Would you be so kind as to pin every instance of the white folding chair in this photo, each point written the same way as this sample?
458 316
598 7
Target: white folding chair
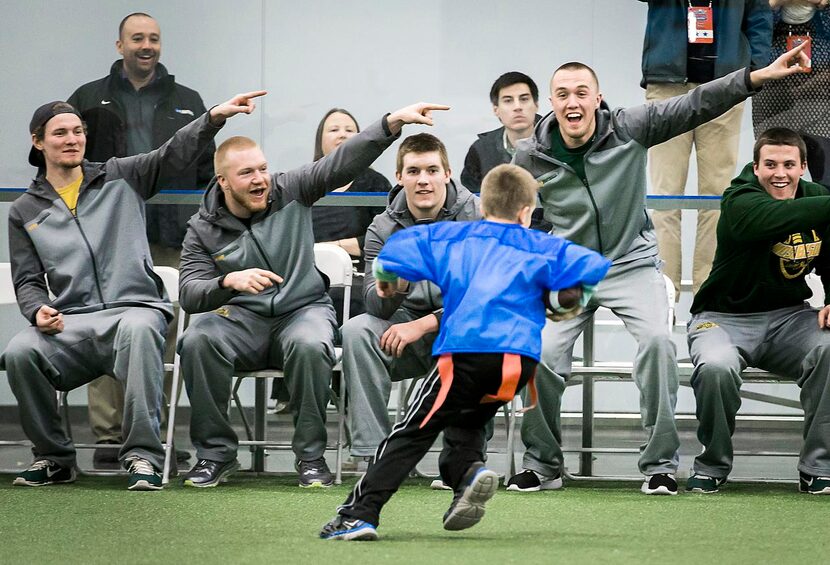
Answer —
336 264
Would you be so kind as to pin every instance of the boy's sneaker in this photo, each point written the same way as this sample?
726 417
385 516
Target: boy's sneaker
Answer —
206 473
704 484
813 485
44 472
349 529
661 483
531 481
314 473
467 507
143 476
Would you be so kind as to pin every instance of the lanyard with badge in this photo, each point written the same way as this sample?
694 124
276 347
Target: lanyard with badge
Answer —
700 24
799 14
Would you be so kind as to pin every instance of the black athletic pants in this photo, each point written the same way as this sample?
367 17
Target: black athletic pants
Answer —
475 386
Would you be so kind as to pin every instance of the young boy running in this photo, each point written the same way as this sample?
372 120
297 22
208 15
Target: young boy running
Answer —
494 276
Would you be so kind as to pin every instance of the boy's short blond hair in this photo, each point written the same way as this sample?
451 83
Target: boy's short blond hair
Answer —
507 189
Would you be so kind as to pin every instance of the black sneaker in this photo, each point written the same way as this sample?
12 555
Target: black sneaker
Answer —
661 483
467 507
314 474
206 473
530 481
349 529
813 485
143 476
704 484
44 472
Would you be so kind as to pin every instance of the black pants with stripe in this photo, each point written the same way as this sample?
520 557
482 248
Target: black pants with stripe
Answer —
462 416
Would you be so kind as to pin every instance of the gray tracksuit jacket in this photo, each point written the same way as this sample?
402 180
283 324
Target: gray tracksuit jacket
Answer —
99 258
423 296
608 213
279 239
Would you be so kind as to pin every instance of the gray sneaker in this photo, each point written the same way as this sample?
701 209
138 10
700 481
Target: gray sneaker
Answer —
206 473
467 507
314 474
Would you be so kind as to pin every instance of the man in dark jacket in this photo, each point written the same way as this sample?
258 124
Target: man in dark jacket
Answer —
727 35
105 310
751 311
392 341
248 263
133 110
515 99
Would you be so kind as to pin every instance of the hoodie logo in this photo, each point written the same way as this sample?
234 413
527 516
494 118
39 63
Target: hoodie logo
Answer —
796 253
184 111
105 102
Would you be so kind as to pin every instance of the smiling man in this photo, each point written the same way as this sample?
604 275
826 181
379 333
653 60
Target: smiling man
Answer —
133 110
104 310
248 262
393 340
751 309
590 162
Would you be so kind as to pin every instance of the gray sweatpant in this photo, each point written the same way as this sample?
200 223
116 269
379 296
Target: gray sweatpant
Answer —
127 343
787 342
369 374
636 293
232 338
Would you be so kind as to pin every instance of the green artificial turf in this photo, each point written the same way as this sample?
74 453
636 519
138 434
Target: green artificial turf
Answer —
271 520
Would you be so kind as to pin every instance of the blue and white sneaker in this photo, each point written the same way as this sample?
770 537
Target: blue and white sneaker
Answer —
349 529
467 507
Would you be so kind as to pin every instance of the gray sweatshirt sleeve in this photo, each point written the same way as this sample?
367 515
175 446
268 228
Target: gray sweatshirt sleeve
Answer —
658 121
179 152
310 182
199 289
28 274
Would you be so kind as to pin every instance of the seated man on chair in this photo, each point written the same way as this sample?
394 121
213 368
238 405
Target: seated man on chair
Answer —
393 340
81 224
248 262
751 311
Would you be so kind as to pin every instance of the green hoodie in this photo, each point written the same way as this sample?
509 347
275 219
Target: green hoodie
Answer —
766 247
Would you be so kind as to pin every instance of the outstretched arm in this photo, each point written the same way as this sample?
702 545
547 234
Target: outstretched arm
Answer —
180 151
310 182
420 113
239 104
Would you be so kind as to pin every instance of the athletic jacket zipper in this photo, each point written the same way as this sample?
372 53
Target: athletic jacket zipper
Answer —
598 223
91 256
261 251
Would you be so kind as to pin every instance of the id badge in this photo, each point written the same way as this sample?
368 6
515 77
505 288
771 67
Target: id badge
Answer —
701 25
794 41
